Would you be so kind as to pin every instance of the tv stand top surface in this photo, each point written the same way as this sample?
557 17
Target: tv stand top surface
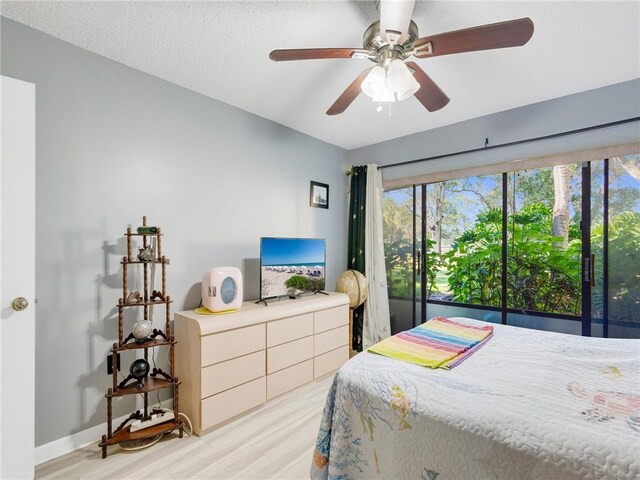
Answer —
253 313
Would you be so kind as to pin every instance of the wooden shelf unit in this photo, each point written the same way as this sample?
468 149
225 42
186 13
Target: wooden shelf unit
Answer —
151 384
158 338
142 304
149 344
125 434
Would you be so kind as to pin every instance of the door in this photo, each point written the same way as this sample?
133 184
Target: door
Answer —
402 254
17 280
615 246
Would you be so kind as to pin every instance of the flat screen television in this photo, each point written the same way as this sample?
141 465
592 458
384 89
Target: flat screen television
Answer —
291 266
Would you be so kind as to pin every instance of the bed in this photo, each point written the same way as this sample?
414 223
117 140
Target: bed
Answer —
528 404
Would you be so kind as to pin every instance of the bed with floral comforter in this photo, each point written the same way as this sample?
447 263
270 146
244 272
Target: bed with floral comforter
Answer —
529 404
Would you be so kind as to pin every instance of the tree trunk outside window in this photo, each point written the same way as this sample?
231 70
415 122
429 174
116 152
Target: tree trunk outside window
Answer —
561 204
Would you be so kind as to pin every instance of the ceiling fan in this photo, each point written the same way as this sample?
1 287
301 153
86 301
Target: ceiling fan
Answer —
394 38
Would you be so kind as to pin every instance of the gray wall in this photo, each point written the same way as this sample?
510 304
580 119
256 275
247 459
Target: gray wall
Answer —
114 144
593 107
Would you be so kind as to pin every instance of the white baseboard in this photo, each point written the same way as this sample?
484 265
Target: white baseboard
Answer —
73 442
92 435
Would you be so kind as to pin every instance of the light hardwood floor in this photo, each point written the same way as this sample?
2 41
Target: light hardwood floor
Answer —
273 442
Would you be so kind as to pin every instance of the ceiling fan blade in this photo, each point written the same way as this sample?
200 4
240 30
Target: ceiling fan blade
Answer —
395 16
349 95
430 94
513 33
317 53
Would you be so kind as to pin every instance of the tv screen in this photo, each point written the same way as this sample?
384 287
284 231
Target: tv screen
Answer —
291 266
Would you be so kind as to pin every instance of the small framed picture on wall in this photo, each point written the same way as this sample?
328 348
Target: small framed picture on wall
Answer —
319 195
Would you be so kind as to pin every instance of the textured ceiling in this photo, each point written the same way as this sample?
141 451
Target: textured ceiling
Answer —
221 49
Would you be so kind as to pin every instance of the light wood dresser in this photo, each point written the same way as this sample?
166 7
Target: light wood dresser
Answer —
231 363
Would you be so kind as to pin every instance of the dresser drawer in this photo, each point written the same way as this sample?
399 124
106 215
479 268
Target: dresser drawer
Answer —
288 329
330 340
288 354
330 361
289 378
225 375
219 347
223 406
330 318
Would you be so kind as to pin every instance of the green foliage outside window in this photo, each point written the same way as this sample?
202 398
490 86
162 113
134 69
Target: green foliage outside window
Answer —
464 246
399 263
541 276
474 262
624 262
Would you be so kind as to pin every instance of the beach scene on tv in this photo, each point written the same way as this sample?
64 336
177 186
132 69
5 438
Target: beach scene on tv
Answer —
291 266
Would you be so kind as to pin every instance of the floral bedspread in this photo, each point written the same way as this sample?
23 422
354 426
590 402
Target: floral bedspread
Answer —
530 404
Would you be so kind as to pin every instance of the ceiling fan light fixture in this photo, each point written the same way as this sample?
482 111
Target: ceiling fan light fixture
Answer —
385 95
398 76
392 83
413 87
374 83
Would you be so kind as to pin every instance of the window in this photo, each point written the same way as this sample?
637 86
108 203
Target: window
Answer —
398 211
544 241
518 248
464 223
622 285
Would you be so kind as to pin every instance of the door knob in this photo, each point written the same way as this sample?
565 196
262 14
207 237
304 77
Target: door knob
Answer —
19 304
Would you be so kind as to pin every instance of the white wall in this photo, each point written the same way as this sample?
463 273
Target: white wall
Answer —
585 109
114 144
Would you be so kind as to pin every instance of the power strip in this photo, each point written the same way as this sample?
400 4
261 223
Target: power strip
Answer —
154 420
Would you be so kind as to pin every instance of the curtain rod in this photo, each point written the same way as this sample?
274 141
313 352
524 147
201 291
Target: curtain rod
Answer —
510 144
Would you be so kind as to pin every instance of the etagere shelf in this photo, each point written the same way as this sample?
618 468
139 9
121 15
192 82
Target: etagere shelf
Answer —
156 379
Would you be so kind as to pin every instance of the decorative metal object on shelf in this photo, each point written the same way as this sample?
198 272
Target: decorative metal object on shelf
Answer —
134 297
146 254
139 370
156 294
141 330
145 229
143 337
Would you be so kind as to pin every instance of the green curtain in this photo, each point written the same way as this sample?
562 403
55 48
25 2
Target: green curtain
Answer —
355 250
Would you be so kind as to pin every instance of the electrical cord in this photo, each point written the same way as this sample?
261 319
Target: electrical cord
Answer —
135 444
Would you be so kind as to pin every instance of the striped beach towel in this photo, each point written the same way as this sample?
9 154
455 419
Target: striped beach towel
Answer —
438 343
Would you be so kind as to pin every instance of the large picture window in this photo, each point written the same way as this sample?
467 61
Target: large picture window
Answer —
556 248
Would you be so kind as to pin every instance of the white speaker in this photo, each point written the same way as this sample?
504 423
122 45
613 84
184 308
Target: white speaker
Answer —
222 289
